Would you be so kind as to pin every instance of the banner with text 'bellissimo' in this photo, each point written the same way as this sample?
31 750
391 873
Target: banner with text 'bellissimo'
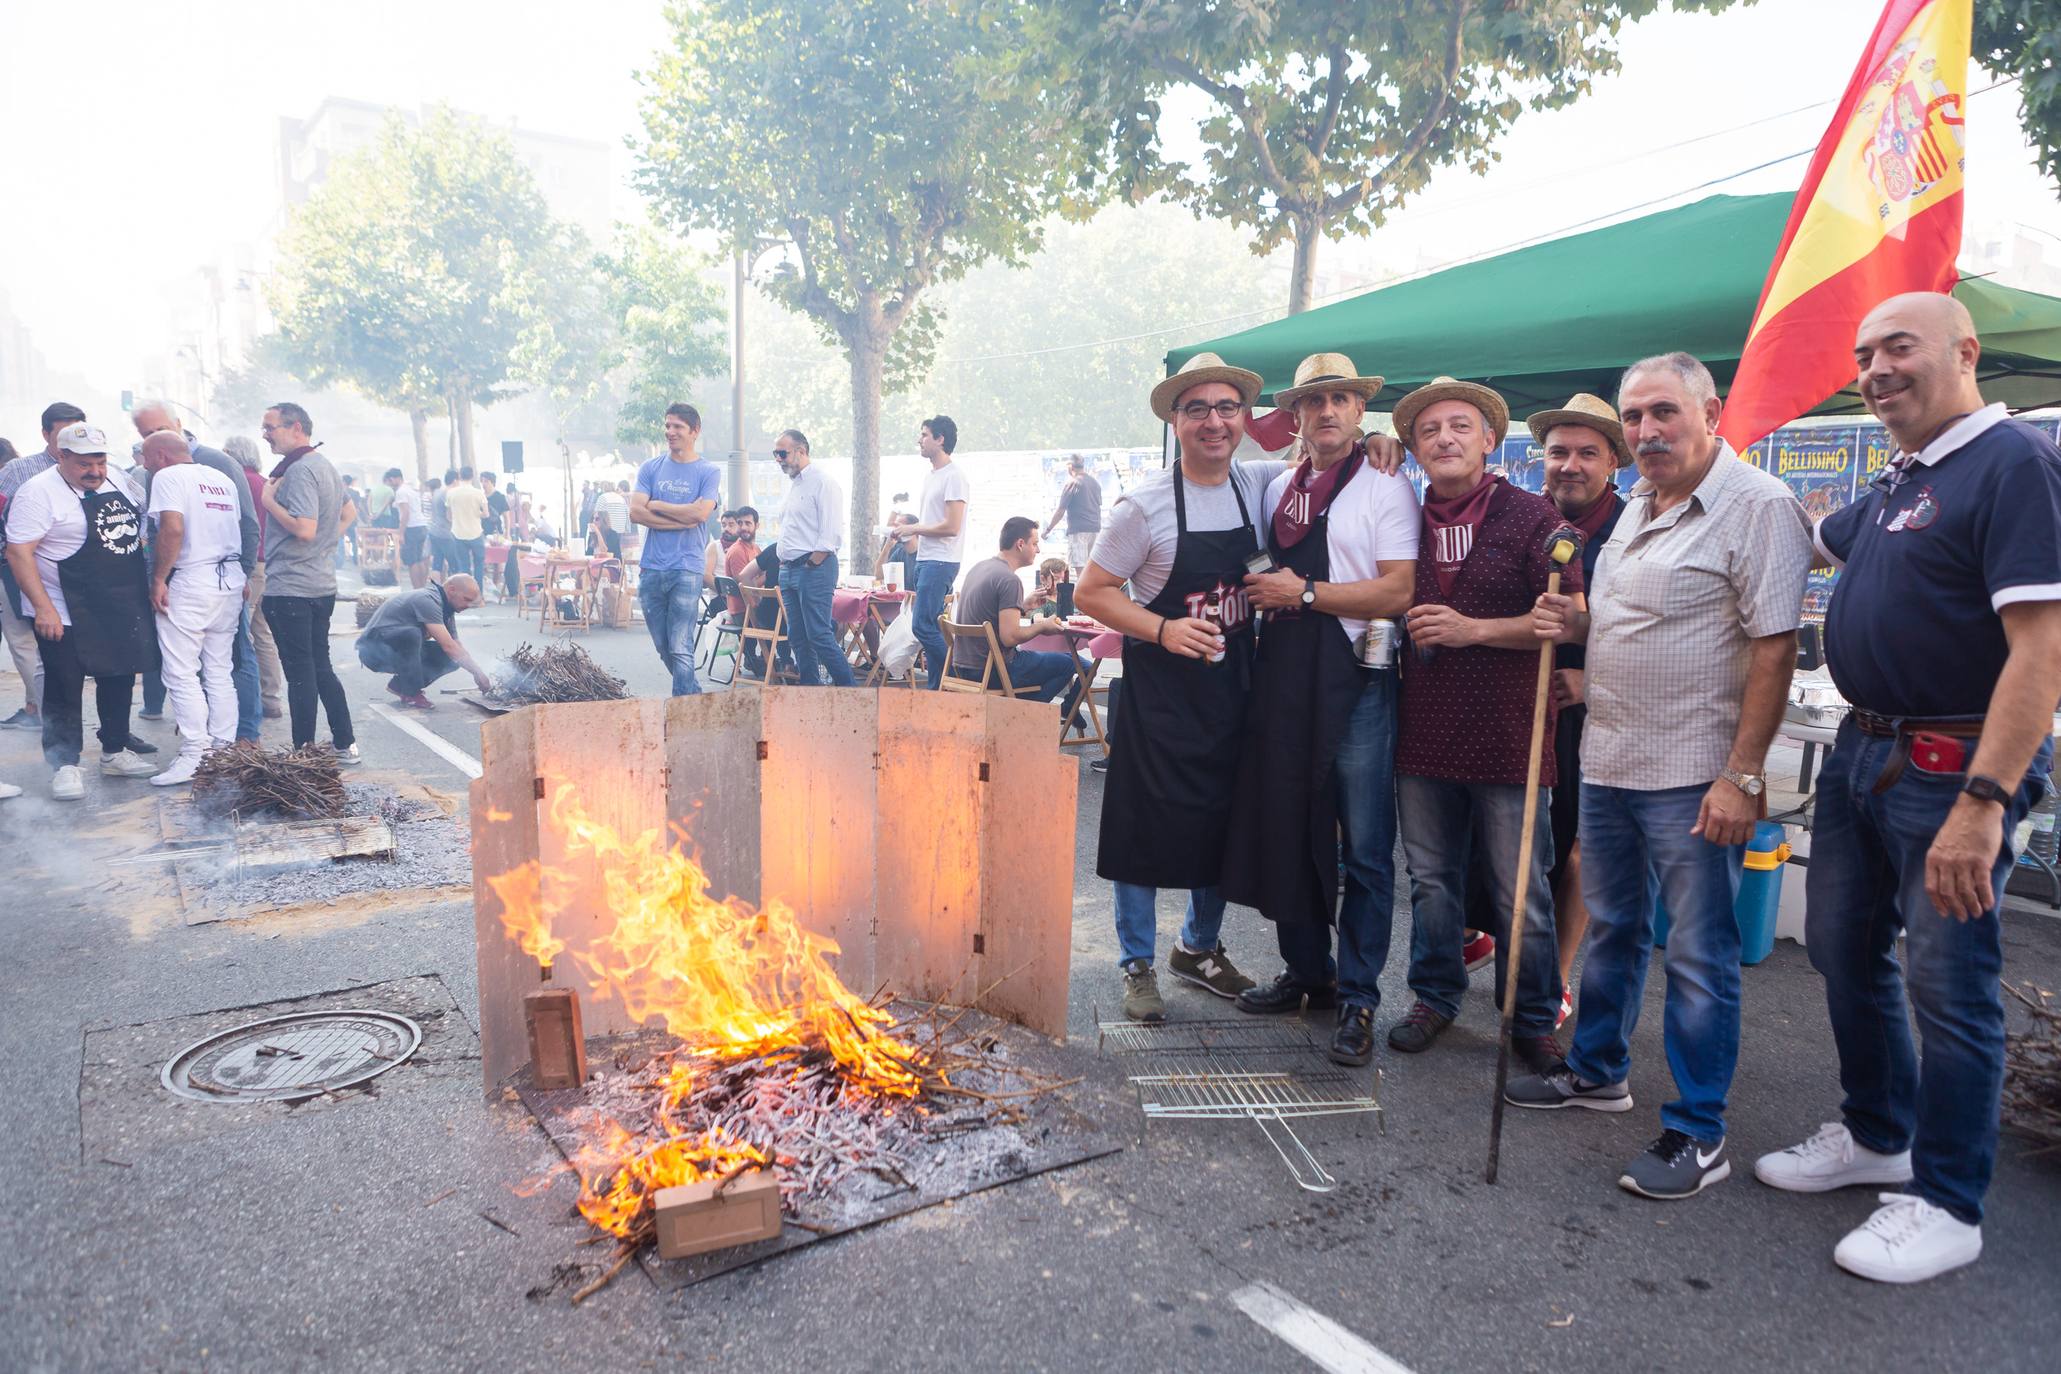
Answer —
1879 213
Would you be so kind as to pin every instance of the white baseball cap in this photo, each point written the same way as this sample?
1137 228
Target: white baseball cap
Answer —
82 438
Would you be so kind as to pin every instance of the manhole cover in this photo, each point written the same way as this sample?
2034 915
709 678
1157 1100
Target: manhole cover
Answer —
289 1057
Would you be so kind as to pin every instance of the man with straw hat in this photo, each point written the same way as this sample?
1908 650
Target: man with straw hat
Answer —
1584 447
1316 781
1181 541
1468 692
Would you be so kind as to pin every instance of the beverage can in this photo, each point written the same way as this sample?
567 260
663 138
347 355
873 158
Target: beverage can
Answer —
1378 644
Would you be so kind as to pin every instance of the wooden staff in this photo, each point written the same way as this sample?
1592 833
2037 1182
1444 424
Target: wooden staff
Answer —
1563 549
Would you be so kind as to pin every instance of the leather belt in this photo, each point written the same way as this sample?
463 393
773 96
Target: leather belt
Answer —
1900 729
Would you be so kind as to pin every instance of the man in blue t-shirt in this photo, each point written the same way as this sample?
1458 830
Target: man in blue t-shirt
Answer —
674 497
1945 633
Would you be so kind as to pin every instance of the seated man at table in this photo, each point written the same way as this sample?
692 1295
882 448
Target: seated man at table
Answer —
993 592
762 569
414 636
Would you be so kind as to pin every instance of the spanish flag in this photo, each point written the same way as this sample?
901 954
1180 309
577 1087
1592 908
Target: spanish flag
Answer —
1879 213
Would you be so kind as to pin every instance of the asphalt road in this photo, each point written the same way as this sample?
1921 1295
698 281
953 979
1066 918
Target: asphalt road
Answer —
145 1234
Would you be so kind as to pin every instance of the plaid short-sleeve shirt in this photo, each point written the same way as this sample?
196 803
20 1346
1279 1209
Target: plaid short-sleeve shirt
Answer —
1678 600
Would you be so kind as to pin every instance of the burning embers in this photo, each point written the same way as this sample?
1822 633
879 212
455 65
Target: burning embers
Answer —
779 1064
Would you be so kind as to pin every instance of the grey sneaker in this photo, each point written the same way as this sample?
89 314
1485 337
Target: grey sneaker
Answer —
1418 1028
1565 1088
1211 970
1676 1166
1142 1001
348 756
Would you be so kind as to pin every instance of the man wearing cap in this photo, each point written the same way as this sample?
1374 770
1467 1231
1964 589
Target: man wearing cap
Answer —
1316 781
75 545
1181 541
1945 633
21 634
1691 645
1584 447
1468 690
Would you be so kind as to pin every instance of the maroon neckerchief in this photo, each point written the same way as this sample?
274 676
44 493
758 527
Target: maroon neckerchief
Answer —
1450 526
1591 524
1309 495
292 457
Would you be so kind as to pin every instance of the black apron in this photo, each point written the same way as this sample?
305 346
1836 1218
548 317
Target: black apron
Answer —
1282 855
106 587
1173 764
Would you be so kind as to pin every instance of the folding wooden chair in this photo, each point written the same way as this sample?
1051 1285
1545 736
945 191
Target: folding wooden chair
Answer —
580 594
728 638
768 637
994 673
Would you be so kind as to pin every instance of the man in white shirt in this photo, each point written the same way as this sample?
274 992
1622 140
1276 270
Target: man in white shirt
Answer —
938 536
411 518
196 586
811 531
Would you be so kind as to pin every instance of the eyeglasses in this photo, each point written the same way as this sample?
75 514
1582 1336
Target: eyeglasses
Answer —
1201 410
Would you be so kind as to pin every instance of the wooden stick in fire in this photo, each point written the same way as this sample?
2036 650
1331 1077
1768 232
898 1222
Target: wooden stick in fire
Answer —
1563 549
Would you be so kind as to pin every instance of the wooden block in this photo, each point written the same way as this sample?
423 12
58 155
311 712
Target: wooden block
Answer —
558 1045
271 844
694 1219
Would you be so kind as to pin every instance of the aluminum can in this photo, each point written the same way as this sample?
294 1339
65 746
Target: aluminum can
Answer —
1378 644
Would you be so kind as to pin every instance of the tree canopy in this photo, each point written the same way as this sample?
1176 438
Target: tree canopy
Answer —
2022 39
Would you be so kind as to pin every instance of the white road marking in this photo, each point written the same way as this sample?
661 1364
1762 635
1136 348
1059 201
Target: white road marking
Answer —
442 748
1328 1345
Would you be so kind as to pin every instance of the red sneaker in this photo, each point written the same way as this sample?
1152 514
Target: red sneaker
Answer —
1479 952
418 702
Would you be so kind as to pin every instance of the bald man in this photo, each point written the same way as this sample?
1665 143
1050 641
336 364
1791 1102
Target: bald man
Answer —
1944 632
196 586
414 636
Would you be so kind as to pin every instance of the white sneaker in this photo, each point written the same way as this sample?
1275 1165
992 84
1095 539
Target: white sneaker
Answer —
1908 1240
67 784
123 764
1830 1159
347 757
184 766
8 789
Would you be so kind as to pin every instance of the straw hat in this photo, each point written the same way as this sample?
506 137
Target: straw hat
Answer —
1492 407
1203 367
1590 412
1327 372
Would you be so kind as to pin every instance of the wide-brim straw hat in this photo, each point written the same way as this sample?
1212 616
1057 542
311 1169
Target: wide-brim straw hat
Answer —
1590 412
1327 372
1493 408
1203 367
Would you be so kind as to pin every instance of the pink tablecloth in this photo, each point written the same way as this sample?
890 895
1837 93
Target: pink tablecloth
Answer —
848 605
533 563
1098 644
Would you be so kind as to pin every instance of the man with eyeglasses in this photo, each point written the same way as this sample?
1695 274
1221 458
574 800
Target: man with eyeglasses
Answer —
811 530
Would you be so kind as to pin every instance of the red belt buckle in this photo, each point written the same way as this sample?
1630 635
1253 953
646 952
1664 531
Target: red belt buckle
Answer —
1932 753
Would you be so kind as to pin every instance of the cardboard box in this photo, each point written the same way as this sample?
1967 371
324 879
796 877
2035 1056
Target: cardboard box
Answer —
694 1219
558 1045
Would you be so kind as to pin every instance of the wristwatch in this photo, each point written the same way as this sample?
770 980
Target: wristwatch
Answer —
1986 789
1752 784
1309 591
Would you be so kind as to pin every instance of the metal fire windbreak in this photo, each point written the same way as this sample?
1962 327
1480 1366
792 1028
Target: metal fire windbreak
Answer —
1263 1071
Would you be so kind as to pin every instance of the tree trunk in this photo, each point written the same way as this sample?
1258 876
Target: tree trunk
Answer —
450 430
464 402
869 366
418 420
1302 281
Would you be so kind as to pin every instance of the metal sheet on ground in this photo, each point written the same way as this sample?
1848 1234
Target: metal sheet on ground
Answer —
1088 1120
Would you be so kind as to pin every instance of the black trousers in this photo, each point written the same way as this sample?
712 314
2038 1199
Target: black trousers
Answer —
64 697
300 631
414 662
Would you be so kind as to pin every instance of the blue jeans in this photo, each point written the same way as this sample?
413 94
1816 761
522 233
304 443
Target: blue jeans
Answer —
250 706
672 612
806 592
153 693
1866 882
1050 673
933 584
1632 839
1365 778
1436 815
1137 920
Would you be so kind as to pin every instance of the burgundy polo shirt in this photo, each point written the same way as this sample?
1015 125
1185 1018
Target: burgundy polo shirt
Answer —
1466 715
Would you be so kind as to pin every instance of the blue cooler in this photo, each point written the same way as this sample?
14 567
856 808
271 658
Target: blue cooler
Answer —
1760 895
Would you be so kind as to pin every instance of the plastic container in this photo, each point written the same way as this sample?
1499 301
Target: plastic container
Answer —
1759 897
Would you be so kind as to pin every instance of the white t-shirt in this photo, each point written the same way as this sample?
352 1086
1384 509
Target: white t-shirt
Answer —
213 536
1374 519
416 515
1137 541
944 485
47 509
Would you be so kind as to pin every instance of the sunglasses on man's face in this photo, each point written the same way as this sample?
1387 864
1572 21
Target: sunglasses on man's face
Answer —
781 452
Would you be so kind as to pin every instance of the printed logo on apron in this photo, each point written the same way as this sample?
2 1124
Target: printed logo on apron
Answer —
118 524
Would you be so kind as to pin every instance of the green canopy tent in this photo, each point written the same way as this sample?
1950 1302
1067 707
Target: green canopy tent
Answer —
1544 322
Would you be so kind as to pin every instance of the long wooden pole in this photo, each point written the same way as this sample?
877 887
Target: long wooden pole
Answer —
1513 947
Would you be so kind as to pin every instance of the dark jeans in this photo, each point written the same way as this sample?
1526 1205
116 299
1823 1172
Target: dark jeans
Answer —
1364 777
413 662
300 630
470 556
64 696
1865 885
153 693
443 553
933 584
806 592
1056 676
1435 814
250 702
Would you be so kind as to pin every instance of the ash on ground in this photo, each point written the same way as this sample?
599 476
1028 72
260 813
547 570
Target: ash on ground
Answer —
430 850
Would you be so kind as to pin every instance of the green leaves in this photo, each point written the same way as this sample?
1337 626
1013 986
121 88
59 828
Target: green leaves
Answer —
2022 38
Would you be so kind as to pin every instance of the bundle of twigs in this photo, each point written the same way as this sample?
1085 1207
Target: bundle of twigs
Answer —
2032 1071
559 672
368 603
304 784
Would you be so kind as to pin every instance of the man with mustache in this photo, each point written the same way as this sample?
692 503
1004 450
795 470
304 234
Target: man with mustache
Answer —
1691 638
1945 633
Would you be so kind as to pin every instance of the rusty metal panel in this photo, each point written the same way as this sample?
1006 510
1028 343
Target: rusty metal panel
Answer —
712 786
504 848
817 816
1027 851
928 885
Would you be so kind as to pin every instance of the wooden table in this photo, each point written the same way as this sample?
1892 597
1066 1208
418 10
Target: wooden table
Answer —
1100 644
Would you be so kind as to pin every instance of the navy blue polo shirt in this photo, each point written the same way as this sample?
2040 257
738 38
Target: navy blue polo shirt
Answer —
1913 629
